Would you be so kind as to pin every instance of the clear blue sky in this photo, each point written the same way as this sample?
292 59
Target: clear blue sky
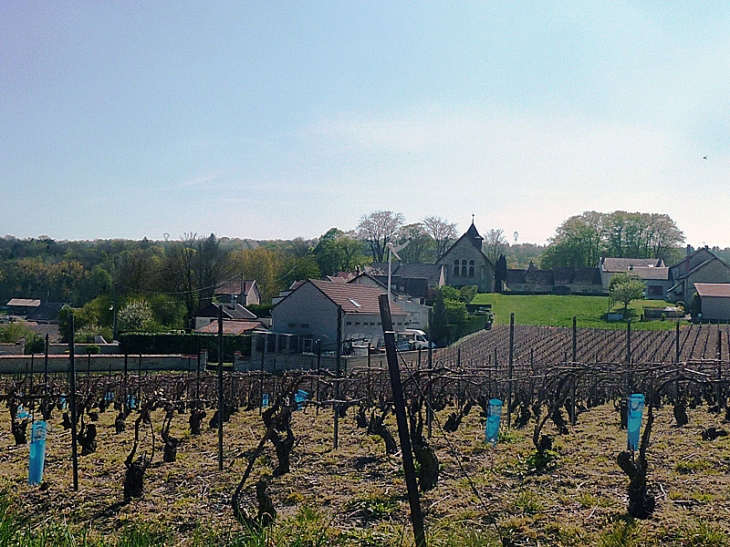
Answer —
268 120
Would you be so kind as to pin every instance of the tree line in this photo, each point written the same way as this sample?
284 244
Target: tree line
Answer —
161 284
583 239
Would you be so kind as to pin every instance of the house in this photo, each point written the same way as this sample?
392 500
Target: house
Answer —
714 301
466 264
22 306
416 280
563 281
414 306
572 280
231 311
651 270
529 280
47 312
246 291
700 266
328 312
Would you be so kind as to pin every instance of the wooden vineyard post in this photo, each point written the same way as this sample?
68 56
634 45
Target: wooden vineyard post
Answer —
197 379
719 369
139 381
45 378
458 378
402 421
676 360
72 401
319 372
261 381
125 401
574 359
369 393
338 353
511 367
220 388
429 410
629 378
32 372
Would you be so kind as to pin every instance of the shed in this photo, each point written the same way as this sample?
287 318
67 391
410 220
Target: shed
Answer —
715 300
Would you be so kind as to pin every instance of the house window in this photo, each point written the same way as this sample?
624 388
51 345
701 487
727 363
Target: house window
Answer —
456 268
471 268
348 323
292 325
305 325
357 323
463 268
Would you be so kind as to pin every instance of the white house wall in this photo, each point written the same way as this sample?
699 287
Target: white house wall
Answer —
309 313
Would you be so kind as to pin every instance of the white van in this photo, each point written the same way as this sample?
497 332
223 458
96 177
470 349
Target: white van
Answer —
413 339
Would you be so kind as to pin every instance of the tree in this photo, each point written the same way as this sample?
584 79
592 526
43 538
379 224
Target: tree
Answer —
624 288
449 311
136 316
582 239
300 269
338 251
377 229
442 232
500 274
494 244
421 246
208 264
263 264
578 242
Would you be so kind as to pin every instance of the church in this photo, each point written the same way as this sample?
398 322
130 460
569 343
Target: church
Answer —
465 262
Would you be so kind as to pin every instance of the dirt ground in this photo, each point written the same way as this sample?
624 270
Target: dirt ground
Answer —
356 494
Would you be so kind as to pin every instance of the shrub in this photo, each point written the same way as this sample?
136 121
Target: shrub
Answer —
35 344
93 349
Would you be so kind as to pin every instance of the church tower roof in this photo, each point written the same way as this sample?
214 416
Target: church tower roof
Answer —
473 235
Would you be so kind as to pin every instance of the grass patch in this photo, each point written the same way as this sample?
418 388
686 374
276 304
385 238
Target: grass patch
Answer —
704 534
539 462
373 506
688 467
528 502
558 311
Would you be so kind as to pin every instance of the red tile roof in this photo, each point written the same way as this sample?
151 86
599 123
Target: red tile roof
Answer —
720 290
230 327
355 298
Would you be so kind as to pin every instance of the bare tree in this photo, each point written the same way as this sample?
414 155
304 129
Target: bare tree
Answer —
442 232
377 229
494 244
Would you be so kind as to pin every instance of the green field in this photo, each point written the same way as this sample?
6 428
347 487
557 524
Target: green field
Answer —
558 311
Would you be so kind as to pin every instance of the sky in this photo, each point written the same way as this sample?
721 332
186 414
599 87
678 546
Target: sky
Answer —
276 120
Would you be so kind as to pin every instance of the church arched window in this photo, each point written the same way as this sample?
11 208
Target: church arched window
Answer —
471 268
456 268
463 268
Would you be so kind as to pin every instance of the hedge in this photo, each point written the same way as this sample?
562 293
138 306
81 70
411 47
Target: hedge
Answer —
186 344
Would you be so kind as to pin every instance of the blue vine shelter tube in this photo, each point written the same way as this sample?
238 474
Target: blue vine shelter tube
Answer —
299 398
636 409
494 414
265 401
37 452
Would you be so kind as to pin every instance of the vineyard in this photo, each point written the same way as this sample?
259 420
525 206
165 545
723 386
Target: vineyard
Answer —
311 457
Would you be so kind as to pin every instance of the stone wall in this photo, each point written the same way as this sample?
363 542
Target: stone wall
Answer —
20 364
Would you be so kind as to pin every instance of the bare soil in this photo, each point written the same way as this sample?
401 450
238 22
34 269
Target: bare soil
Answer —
356 494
